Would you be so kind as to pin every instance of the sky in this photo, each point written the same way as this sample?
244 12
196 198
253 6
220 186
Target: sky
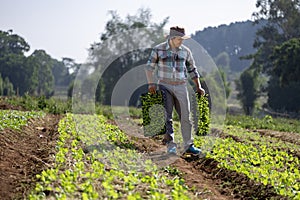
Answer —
67 28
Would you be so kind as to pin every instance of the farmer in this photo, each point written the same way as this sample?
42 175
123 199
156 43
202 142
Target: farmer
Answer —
173 61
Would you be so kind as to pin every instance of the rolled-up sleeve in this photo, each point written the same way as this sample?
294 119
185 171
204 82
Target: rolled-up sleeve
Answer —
191 66
152 61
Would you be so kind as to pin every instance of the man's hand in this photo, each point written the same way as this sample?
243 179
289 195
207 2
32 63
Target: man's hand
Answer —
201 91
152 88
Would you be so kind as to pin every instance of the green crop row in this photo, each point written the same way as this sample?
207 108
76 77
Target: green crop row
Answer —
95 160
267 122
256 160
255 138
15 119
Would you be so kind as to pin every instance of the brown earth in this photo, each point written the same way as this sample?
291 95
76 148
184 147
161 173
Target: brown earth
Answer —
202 174
204 186
284 136
25 153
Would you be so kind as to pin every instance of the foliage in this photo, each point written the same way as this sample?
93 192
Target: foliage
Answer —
49 105
282 24
284 84
284 15
6 87
222 60
226 83
223 63
35 74
43 73
100 170
64 71
215 85
284 98
262 159
153 113
202 115
267 122
12 59
14 119
248 87
123 45
12 44
286 58
235 40
96 160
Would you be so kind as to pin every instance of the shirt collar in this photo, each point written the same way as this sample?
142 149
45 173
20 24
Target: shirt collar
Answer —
168 45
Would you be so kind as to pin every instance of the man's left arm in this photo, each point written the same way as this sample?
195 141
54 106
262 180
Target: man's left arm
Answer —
193 72
199 89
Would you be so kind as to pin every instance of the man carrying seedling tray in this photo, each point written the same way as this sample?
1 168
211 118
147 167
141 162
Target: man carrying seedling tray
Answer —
174 61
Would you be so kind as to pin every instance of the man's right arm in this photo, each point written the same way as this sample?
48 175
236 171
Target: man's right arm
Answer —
151 84
151 64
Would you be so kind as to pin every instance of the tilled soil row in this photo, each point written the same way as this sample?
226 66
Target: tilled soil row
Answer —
25 153
210 181
292 138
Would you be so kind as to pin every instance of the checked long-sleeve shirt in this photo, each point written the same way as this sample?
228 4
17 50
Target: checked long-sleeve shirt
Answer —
172 66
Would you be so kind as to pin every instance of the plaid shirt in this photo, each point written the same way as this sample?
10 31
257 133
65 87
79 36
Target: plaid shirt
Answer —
172 66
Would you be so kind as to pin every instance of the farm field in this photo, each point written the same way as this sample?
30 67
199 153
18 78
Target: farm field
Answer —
46 156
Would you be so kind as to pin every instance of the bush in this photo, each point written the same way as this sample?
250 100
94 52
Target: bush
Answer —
41 103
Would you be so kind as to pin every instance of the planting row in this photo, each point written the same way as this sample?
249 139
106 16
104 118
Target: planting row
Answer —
257 158
95 160
267 122
16 119
255 138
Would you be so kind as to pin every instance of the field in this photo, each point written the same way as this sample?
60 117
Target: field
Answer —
68 156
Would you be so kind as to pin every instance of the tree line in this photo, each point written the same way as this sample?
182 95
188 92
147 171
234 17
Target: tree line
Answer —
37 74
227 43
274 71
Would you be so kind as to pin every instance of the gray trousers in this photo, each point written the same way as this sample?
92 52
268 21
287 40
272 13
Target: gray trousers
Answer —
176 96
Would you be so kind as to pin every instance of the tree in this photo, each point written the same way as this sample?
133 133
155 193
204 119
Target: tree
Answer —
6 87
283 15
36 74
248 87
283 23
60 73
282 18
64 71
44 74
12 44
286 59
235 39
284 87
119 36
1 85
12 58
223 62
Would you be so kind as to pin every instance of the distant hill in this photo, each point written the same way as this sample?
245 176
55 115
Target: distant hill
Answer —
235 39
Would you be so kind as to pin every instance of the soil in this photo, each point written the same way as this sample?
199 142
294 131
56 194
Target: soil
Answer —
284 136
25 153
203 174
205 187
